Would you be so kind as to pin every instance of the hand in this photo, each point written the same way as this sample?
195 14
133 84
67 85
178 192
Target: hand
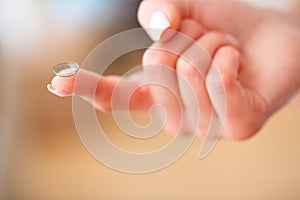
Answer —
269 74
218 46
268 43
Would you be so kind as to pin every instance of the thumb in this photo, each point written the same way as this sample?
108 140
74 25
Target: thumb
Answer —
229 16
157 16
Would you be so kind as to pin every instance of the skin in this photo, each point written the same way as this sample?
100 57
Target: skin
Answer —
260 68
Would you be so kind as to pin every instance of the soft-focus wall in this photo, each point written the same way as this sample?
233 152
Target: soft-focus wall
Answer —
41 154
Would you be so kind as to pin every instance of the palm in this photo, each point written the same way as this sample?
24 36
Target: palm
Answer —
265 80
269 55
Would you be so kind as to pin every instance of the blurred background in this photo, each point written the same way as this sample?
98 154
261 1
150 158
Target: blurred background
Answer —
41 154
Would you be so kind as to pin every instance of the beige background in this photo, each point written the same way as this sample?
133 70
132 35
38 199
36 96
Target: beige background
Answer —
42 156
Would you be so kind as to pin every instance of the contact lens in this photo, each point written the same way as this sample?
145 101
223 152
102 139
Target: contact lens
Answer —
66 69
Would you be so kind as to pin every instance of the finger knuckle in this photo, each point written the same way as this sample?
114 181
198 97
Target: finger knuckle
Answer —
186 68
153 56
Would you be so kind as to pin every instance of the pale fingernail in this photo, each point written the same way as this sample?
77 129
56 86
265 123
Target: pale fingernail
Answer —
158 24
233 40
56 92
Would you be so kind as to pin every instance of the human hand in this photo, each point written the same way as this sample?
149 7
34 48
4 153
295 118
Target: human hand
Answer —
214 45
270 46
248 84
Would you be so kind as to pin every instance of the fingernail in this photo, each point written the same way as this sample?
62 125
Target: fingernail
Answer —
56 92
158 24
233 40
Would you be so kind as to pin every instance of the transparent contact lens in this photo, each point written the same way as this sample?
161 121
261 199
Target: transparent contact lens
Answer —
66 69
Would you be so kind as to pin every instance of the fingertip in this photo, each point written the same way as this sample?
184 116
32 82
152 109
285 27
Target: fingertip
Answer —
158 16
158 24
63 84
229 56
228 62
56 92
62 87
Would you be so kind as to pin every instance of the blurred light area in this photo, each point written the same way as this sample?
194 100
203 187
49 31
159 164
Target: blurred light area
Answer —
25 24
18 25
13 20
34 36
83 12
